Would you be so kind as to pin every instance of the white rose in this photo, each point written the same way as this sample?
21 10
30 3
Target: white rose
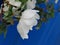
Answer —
28 20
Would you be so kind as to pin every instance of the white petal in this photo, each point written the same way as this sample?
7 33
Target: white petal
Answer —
10 0
37 16
31 27
35 22
15 3
28 21
27 27
31 4
34 1
29 13
5 8
56 1
22 31
15 12
18 4
15 8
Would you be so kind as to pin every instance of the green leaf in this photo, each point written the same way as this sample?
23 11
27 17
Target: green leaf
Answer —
16 0
6 14
9 18
40 1
10 10
23 1
3 29
38 25
0 32
5 32
52 14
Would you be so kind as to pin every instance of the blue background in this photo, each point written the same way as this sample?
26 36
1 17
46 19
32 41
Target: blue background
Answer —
49 33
